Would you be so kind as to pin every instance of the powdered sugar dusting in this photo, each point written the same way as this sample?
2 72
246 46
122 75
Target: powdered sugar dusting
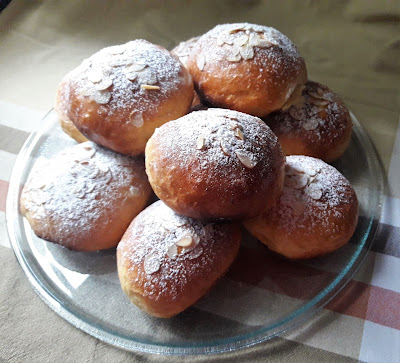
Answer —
242 42
153 248
73 188
132 76
239 41
218 142
314 193
322 116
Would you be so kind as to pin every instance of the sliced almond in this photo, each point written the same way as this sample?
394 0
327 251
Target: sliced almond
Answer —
131 75
135 67
239 134
225 147
103 168
148 77
201 61
87 90
150 87
253 39
104 84
94 76
172 251
234 58
136 118
151 264
246 158
314 190
220 42
200 142
296 181
185 242
310 124
197 252
241 40
297 113
101 97
134 191
247 52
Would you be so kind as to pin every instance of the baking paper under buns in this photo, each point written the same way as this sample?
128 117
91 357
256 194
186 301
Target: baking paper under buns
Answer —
316 213
85 197
246 67
166 262
118 96
215 164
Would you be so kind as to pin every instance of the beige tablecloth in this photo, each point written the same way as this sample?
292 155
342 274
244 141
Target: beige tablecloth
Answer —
352 46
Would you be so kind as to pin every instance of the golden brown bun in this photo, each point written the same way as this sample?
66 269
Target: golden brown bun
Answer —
85 197
159 274
182 51
66 124
215 164
119 95
319 127
316 213
245 67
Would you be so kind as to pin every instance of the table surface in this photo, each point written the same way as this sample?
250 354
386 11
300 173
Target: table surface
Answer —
351 46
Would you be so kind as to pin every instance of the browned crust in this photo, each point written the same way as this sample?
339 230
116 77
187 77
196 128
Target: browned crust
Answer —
169 295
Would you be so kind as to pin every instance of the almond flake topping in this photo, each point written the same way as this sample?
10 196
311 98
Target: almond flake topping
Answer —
314 191
234 58
201 61
136 118
239 134
131 75
310 124
244 40
151 264
297 113
225 147
136 67
103 168
134 191
241 40
185 242
247 52
296 180
101 97
200 142
172 251
246 159
150 87
94 76
197 252
103 84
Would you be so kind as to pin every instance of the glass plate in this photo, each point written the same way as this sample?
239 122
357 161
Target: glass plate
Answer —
261 296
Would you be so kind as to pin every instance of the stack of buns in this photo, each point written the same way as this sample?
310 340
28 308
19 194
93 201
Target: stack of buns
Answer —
225 129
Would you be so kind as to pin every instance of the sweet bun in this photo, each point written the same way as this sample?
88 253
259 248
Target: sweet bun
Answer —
66 124
215 163
320 127
246 67
182 51
85 197
317 212
166 262
118 96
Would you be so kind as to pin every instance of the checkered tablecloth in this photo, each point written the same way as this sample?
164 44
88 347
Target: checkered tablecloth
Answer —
353 47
